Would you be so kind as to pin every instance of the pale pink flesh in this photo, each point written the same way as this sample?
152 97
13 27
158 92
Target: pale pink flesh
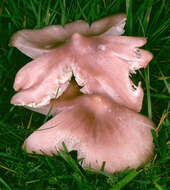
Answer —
99 64
43 79
100 130
37 42
60 104
105 63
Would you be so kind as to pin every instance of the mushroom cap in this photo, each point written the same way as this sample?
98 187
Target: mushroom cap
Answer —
99 64
103 65
37 42
100 130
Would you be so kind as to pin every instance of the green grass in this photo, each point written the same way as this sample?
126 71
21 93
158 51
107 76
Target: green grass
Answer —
20 171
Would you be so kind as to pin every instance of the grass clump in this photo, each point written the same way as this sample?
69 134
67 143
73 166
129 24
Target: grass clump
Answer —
19 170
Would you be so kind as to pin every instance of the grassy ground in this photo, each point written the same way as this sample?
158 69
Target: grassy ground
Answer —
18 170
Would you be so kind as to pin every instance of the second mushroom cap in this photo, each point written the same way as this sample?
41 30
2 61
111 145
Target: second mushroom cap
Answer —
100 130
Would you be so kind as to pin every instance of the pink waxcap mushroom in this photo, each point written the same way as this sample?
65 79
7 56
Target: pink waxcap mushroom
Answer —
100 130
99 64
37 42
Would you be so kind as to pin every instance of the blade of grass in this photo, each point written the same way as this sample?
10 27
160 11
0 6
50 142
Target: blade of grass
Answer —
5 184
11 132
9 156
29 122
147 83
147 15
47 14
54 13
157 186
129 177
67 157
165 81
158 14
32 181
129 22
82 11
39 15
50 164
63 13
8 169
160 96
162 28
